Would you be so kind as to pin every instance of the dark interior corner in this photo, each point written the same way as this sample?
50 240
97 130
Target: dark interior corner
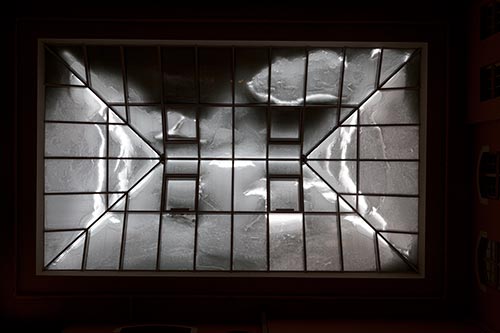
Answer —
460 293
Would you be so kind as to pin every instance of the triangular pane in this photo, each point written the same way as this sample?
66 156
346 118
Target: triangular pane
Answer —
318 122
71 258
406 244
407 76
56 241
391 60
147 120
57 73
124 142
341 144
124 173
114 112
341 175
146 195
73 56
390 261
318 196
105 242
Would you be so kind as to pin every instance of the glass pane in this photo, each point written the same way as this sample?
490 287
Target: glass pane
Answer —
323 75
390 261
57 72
182 166
390 213
249 248
391 60
214 242
358 245
117 115
215 75
124 142
147 120
341 175
387 142
322 244
141 241
286 248
182 150
317 195
124 173
287 76
73 104
116 201
215 186
318 122
106 72
408 76
280 151
250 187
146 195
285 123
181 194
216 131
347 203
346 113
250 132
73 211
55 242
406 244
87 175
360 72
72 258
75 140
73 56
388 177
179 68
391 107
181 122
284 194
177 242
341 144
251 75
143 74
284 167
105 242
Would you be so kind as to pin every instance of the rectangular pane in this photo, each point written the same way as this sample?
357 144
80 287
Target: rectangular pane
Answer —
284 194
216 131
358 245
360 72
147 120
323 75
318 196
341 144
106 72
73 211
125 142
87 175
288 69
322 243
390 213
215 186
141 241
251 75
182 150
250 132
181 122
214 242
105 242
318 122
285 123
249 247
181 194
388 177
215 75
75 140
283 151
341 175
146 195
124 173
181 166
177 242
391 107
286 247
284 168
179 74
398 142
143 74
250 187
73 104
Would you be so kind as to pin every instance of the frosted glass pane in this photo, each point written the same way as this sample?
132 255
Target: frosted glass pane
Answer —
386 142
215 75
117 201
406 244
73 104
72 56
284 167
323 75
57 72
391 213
73 211
249 245
72 258
179 68
317 195
147 120
408 76
87 175
391 60
216 131
341 175
141 241
106 72
285 123
391 107
143 74
181 194
75 140
389 177
181 122
250 186
182 166
114 116
146 195
284 194
318 122
104 243
346 113
360 72
322 244
124 173
250 132
357 244
177 242
390 261
55 242
249 62
286 248
287 76
280 151
182 150
124 142
347 203
215 186
214 242
341 144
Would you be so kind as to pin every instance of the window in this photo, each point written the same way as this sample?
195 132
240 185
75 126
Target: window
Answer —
232 157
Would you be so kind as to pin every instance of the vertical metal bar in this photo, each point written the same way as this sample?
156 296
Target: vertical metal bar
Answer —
341 86
301 178
232 154
377 252
85 250
379 69
339 235
125 84
196 201
86 64
124 233
268 129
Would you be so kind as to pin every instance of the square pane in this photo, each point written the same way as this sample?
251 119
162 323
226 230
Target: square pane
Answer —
181 194
284 194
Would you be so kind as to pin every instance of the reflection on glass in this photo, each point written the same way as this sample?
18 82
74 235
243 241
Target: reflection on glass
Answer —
284 194
286 244
360 72
181 194
214 242
215 186
106 77
141 241
147 120
287 77
250 132
216 131
177 242
322 245
181 122
250 191
323 75
249 243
